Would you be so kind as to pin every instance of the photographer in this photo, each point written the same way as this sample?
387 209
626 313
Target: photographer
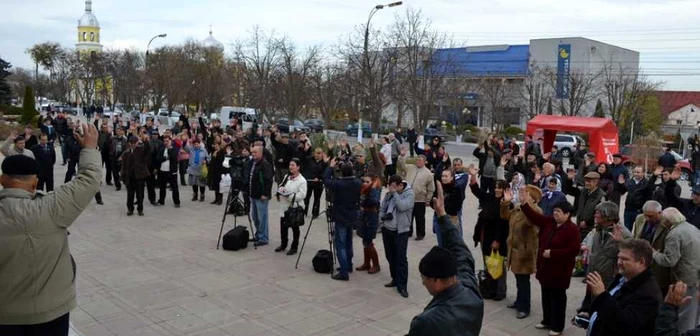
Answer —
313 173
396 213
448 274
631 302
345 192
284 151
292 191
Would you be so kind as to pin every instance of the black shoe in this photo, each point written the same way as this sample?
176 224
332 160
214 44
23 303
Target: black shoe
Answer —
155 204
522 315
161 202
130 213
280 248
338 269
419 238
194 197
110 184
403 292
140 213
177 205
487 296
65 163
118 189
498 298
292 251
340 276
100 202
201 198
511 305
390 284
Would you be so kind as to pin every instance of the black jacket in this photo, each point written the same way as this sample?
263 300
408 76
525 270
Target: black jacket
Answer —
458 310
345 193
156 150
260 184
172 157
631 311
411 135
490 226
637 193
666 322
46 157
662 192
690 210
72 147
314 169
283 152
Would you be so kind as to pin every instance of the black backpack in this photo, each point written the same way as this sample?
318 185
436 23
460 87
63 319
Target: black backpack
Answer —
323 261
236 239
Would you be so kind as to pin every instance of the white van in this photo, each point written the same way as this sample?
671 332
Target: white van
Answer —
247 114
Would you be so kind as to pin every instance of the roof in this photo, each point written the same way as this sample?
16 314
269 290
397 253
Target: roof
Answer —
670 101
497 60
571 124
88 19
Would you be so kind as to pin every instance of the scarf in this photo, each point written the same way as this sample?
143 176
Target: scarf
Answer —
196 156
515 188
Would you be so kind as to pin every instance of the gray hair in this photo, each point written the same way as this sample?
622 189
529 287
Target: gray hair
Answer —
609 211
652 206
673 216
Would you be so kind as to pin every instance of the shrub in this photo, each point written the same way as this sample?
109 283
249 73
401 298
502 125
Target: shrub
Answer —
512 130
28 107
11 110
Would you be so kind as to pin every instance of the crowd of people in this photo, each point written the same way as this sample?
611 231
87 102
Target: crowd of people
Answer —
629 261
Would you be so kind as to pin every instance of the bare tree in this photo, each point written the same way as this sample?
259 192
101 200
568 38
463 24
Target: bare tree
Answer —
261 56
294 74
624 89
495 94
19 80
327 83
534 94
582 90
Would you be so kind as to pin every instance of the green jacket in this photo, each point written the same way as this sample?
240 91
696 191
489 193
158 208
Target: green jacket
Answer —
37 275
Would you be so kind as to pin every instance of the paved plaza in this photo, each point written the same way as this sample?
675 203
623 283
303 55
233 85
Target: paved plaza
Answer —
162 275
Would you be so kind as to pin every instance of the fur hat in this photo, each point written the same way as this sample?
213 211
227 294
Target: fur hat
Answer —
535 193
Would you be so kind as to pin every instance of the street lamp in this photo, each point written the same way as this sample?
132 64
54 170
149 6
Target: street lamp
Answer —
366 58
154 37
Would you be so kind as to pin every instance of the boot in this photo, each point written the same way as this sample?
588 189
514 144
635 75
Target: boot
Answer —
365 266
374 257
194 197
201 197
220 200
216 199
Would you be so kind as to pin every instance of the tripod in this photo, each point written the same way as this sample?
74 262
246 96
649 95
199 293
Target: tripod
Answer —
234 200
331 234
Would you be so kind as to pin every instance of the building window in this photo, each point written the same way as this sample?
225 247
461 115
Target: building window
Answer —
84 36
92 37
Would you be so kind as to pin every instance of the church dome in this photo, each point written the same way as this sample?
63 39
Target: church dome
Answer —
211 42
88 19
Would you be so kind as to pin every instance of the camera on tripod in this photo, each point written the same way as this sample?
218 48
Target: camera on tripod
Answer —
236 165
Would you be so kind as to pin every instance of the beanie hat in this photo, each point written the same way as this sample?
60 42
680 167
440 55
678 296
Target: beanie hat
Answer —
438 263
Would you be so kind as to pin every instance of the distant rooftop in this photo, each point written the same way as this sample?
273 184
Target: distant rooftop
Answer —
494 60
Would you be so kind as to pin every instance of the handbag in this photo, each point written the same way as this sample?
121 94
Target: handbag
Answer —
294 215
494 264
225 183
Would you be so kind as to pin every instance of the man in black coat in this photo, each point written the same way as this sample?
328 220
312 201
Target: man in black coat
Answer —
152 180
448 274
412 138
630 304
637 189
259 184
284 152
72 154
667 160
167 170
46 155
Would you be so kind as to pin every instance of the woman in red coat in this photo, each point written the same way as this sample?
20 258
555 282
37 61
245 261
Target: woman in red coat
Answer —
559 245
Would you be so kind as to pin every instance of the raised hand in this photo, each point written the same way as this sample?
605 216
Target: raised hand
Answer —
658 171
676 174
326 158
508 195
538 175
88 138
504 161
473 170
571 174
439 201
13 135
616 233
676 295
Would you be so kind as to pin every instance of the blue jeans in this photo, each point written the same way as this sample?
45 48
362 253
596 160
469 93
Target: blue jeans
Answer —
630 215
343 247
436 227
696 181
395 246
258 211
522 301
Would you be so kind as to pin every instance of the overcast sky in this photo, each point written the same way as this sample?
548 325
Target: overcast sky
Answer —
665 32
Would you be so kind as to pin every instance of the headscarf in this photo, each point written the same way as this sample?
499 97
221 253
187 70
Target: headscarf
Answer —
515 188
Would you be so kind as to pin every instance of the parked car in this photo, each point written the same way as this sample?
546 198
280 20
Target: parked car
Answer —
163 117
353 128
567 143
109 113
633 155
429 133
285 126
387 127
315 125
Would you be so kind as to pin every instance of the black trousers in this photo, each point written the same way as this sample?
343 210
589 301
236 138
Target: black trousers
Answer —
488 184
151 184
390 170
46 181
317 189
522 301
419 217
284 233
410 148
107 163
395 247
57 327
163 179
135 188
71 170
183 171
116 169
553 308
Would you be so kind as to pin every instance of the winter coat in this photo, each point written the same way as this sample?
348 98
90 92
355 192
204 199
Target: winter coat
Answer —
522 239
411 135
6 150
298 188
690 210
216 169
459 310
402 208
118 146
637 192
549 200
258 179
46 158
631 311
420 179
345 193
195 167
587 201
135 161
663 275
602 252
681 251
170 156
38 274
562 241
490 226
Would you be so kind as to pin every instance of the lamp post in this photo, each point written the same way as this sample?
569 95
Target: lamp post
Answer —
153 38
145 63
365 63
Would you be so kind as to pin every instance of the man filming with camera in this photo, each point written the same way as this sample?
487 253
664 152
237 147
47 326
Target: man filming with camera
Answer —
630 304
345 193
